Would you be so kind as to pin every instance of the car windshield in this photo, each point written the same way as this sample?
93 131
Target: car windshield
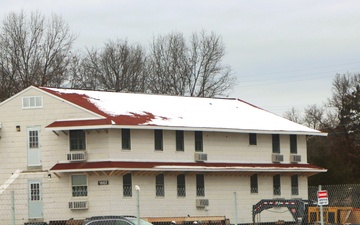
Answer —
134 220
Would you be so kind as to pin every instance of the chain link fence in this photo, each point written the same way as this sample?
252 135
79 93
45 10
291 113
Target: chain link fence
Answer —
343 205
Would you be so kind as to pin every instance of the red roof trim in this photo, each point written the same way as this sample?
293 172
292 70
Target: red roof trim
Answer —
74 123
153 165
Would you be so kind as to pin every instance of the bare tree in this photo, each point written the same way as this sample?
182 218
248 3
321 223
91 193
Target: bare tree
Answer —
208 76
167 67
192 68
294 115
118 66
33 51
315 117
81 74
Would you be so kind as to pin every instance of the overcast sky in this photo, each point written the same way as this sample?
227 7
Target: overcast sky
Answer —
285 53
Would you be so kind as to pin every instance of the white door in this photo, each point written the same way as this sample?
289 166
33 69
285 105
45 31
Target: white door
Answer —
33 146
35 205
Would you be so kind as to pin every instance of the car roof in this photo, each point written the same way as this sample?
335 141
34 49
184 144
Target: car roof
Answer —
128 218
106 217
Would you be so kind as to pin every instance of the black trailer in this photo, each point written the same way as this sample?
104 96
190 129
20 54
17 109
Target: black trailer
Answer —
297 207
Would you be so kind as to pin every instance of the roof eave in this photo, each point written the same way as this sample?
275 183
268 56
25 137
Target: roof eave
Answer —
152 126
195 169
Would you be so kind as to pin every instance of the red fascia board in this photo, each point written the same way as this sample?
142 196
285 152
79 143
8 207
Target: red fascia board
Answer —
75 123
151 165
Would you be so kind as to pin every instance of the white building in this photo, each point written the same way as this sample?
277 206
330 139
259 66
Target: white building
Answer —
74 154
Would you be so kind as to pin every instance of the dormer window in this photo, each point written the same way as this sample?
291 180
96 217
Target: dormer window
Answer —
32 102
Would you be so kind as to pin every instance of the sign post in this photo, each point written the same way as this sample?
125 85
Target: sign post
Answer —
322 200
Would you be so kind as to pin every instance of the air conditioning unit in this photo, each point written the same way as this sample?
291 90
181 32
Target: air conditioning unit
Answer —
277 158
295 158
200 157
201 203
76 156
79 205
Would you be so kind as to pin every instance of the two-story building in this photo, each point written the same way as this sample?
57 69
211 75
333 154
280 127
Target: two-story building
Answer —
78 153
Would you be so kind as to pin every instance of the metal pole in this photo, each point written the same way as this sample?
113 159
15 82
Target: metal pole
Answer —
321 211
235 207
137 188
13 208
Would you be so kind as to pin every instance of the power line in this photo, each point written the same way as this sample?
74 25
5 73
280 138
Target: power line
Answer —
283 82
303 69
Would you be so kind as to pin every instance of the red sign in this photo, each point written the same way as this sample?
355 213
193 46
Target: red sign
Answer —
322 194
323 198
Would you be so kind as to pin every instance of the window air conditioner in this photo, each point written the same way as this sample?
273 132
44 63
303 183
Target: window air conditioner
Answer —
277 158
201 203
76 156
79 205
199 157
295 158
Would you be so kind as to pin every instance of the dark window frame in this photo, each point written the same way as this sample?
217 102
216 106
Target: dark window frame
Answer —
252 139
294 185
200 185
127 185
277 184
77 140
158 140
254 184
199 142
160 185
181 185
293 144
179 136
276 143
126 139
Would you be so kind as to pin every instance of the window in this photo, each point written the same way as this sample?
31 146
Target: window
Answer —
32 102
77 140
293 144
198 141
125 139
276 143
276 185
179 140
254 184
158 137
200 185
35 192
252 139
181 192
160 188
33 139
295 185
127 191
79 185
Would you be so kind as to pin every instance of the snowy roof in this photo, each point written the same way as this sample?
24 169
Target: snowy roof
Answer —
222 114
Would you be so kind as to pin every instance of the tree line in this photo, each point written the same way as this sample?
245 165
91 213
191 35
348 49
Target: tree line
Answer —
339 116
38 50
